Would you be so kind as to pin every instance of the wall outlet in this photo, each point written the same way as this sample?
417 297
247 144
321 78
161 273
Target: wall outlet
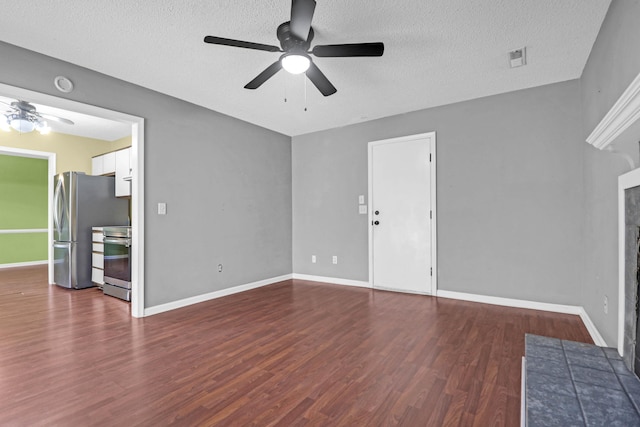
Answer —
162 208
606 305
313 259
334 259
362 209
219 268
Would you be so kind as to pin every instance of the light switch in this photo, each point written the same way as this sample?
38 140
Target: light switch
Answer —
162 208
362 209
361 200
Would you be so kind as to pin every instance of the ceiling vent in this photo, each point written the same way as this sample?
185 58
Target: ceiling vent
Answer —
517 57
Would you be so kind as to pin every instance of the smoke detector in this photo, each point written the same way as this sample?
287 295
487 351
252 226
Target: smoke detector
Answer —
63 84
518 57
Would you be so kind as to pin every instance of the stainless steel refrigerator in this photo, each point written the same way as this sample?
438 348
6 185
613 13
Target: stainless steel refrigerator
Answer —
80 202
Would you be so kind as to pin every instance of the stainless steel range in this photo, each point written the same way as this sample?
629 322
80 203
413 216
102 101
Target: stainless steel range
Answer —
117 262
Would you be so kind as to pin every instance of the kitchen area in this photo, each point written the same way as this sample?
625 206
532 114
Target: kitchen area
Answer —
90 172
92 226
101 145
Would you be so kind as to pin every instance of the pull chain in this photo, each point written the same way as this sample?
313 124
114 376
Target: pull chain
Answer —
305 94
285 89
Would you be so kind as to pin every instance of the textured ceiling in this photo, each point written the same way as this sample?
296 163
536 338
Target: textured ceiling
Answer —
436 51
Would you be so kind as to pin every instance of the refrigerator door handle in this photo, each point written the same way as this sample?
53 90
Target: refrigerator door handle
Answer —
56 206
59 200
61 245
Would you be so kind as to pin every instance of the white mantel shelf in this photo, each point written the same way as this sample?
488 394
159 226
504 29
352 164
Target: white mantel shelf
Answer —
623 114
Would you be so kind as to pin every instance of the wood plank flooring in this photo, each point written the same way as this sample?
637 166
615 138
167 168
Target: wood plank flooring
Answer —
291 354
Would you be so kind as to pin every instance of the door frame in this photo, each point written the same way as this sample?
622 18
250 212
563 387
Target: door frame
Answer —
431 136
51 171
137 185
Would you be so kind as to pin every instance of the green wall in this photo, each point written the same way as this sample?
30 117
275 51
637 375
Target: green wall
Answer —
23 205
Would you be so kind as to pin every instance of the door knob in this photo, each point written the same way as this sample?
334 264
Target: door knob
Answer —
376 222
377 212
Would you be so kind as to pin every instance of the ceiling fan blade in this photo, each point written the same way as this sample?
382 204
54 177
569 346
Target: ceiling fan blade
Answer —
56 118
240 43
264 76
301 16
320 81
355 49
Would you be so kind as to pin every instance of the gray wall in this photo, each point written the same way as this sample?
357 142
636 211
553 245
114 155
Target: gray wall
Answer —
510 194
613 64
525 208
227 183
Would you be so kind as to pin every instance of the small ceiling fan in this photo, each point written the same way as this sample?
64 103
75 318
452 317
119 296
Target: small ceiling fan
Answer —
295 38
24 118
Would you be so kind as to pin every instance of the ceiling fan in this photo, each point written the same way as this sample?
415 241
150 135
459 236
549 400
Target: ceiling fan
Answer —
24 118
295 38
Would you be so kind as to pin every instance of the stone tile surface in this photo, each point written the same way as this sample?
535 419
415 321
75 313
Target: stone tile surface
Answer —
632 386
587 360
600 390
544 410
591 396
542 352
549 384
580 347
595 377
555 368
612 353
620 368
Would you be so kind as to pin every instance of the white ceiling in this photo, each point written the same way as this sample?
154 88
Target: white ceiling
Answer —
436 51
84 125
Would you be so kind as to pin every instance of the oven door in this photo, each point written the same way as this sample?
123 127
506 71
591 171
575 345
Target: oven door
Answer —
117 264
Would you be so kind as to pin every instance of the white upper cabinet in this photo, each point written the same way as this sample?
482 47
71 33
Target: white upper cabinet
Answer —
96 165
123 172
109 163
118 163
104 164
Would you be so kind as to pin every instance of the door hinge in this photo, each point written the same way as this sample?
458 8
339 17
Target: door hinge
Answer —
431 271
431 214
429 156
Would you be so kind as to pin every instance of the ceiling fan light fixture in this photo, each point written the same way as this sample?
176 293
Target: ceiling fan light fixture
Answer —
4 124
43 128
296 63
21 124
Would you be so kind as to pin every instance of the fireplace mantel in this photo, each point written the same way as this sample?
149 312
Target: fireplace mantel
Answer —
624 113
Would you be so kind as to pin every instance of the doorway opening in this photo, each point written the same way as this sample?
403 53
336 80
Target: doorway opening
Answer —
137 184
51 170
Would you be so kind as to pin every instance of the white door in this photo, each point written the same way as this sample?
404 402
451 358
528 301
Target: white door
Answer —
401 213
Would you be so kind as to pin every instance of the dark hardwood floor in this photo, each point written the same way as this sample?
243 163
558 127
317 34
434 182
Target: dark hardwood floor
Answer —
291 354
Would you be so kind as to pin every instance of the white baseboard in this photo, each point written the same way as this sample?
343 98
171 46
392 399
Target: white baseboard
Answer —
507 302
532 305
332 280
23 264
591 327
149 311
510 302
523 393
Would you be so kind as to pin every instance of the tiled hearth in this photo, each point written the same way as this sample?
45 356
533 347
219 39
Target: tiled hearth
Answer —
577 384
